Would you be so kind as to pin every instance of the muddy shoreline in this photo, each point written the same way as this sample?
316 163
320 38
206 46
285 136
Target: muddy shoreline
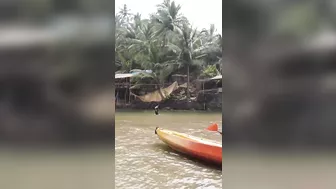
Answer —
171 105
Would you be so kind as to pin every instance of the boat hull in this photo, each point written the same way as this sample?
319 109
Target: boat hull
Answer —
203 149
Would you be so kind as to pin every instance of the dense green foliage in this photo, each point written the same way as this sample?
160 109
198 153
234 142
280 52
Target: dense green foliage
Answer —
166 43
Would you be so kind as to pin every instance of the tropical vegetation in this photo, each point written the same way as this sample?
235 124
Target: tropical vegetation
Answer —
167 44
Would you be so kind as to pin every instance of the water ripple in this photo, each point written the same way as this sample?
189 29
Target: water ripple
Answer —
143 161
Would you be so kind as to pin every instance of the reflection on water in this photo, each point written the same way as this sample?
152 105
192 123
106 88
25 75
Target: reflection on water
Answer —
144 161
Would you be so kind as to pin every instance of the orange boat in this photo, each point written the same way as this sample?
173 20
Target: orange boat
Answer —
203 149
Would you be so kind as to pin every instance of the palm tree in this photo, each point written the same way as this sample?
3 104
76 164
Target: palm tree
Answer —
127 37
188 48
164 43
194 45
211 46
146 50
168 19
152 60
124 14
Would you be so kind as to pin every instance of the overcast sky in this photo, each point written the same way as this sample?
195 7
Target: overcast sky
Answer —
200 13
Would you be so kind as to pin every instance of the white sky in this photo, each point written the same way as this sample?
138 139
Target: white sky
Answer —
200 13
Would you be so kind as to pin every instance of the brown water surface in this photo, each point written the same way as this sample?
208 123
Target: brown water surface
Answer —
144 161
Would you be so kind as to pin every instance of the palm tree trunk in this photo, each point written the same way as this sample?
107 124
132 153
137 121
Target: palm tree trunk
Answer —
159 84
188 93
164 40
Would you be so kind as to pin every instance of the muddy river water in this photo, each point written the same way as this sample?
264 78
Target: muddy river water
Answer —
144 161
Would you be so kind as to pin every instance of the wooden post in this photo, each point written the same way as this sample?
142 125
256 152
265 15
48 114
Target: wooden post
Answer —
129 93
125 93
203 95
116 97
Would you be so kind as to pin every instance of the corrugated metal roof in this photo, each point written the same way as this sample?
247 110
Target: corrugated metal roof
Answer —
217 77
120 76
127 75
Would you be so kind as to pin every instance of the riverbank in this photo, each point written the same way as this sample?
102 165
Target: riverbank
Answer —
171 105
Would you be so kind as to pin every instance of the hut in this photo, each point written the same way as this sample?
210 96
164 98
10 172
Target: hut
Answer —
123 86
209 91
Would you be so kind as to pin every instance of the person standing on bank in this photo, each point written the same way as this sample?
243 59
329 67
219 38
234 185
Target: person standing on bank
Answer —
156 110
